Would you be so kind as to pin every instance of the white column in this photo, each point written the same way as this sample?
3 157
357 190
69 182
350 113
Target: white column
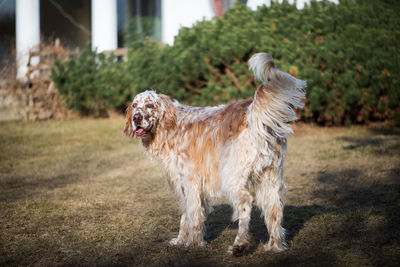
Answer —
27 36
178 13
104 25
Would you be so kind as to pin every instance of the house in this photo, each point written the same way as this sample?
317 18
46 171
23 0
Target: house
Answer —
104 23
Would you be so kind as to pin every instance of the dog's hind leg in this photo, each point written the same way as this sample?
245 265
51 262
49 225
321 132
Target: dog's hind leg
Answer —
242 203
234 170
270 196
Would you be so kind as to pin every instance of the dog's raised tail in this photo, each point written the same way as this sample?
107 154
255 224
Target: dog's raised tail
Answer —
275 100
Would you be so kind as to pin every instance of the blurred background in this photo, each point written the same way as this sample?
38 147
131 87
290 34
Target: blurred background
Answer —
77 22
93 56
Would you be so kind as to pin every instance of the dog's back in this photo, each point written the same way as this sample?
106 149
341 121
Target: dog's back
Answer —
268 114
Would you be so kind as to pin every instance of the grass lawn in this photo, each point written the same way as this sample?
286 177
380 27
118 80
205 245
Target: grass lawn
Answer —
78 193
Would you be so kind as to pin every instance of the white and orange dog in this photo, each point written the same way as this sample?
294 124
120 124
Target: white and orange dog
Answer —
224 151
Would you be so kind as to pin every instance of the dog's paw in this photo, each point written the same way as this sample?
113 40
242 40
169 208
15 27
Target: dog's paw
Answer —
237 250
176 241
274 247
196 243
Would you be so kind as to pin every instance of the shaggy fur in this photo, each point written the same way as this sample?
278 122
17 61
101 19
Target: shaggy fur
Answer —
224 151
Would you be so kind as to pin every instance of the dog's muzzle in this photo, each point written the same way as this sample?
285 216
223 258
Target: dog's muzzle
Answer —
142 132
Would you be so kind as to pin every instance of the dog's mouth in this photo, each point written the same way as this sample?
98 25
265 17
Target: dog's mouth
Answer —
141 131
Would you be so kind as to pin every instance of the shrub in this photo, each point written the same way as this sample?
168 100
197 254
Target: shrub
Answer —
348 53
91 82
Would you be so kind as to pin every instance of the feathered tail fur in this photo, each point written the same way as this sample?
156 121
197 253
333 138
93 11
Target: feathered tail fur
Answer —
275 100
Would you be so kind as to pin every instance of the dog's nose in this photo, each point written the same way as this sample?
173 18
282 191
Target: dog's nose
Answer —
137 118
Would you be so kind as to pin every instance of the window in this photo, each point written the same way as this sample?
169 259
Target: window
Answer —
7 36
138 19
68 20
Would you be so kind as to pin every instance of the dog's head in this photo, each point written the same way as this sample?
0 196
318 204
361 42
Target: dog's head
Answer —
148 112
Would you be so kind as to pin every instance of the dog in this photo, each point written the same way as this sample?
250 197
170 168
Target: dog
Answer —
224 151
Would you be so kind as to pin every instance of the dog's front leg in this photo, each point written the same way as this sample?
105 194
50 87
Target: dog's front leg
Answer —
183 232
195 213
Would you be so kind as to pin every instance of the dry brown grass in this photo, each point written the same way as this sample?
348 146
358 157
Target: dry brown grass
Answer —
77 193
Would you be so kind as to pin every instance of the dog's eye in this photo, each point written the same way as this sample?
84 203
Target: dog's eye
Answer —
134 105
149 106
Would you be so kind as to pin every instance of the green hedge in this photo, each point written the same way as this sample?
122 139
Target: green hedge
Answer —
91 82
348 53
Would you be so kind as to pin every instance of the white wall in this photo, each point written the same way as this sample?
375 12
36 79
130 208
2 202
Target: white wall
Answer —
27 35
178 13
253 4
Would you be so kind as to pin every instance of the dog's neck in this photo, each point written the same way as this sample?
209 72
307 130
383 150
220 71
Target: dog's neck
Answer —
160 141
159 144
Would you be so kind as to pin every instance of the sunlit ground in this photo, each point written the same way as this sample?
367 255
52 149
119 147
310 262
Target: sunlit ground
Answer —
78 193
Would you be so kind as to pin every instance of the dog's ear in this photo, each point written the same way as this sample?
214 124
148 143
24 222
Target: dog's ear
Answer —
128 131
168 112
